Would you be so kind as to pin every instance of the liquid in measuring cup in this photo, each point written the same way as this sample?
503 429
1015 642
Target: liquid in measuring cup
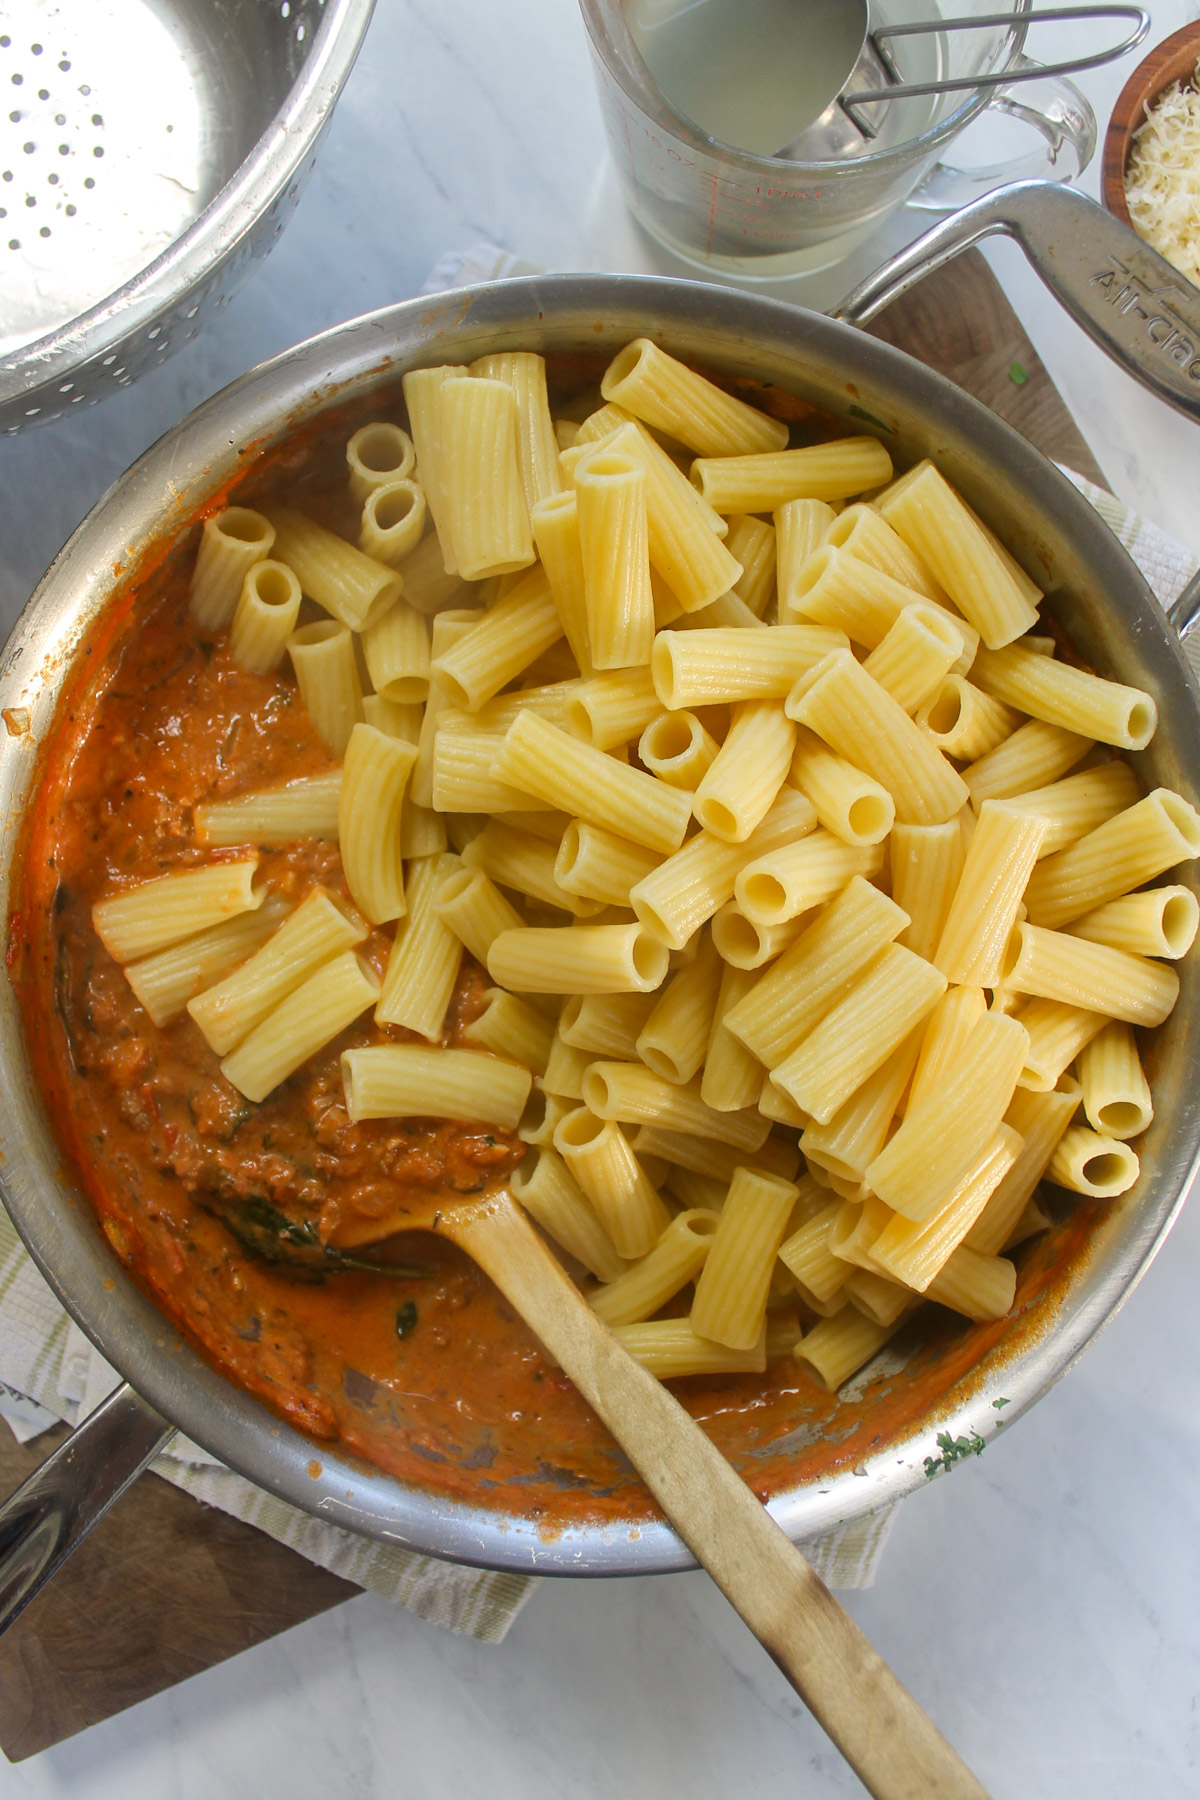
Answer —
755 73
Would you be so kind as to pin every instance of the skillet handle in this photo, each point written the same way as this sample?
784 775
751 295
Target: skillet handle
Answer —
1127 297
52 1512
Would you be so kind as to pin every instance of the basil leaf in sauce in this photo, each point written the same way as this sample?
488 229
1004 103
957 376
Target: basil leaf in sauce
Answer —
267 1234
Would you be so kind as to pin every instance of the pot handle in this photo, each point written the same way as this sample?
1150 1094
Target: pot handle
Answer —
52 1512
1127 297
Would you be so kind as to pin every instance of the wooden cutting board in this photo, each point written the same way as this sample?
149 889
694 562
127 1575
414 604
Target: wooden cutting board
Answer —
165 1587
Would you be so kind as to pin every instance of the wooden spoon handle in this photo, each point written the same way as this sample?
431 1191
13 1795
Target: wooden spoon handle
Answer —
881 1731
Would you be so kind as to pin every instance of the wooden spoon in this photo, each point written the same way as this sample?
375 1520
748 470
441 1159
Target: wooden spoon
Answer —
894 1748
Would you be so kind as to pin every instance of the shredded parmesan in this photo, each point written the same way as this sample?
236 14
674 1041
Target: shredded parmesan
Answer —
1162 184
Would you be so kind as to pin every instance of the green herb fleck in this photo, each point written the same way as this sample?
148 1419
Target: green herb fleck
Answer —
1018 374
860 412
406 1318
952 1449
999 1403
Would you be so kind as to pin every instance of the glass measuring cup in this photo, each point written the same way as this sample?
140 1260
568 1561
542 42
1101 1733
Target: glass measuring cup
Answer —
728 211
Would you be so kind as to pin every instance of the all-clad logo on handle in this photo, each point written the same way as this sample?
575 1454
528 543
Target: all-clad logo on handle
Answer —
1151 309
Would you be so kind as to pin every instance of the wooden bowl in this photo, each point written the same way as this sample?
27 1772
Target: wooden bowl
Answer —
1172 60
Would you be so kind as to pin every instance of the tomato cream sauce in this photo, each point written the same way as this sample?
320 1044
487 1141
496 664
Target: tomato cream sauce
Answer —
219 1208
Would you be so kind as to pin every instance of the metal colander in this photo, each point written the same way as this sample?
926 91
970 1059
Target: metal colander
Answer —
148 150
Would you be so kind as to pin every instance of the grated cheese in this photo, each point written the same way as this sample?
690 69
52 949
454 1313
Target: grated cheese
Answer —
1162 184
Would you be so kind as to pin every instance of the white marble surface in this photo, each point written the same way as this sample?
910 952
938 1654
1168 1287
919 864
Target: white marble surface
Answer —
1042 1604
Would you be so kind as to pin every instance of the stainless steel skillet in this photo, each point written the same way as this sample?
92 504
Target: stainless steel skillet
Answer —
1103 604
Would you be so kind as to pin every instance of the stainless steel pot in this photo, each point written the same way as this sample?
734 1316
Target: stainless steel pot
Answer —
1071 1281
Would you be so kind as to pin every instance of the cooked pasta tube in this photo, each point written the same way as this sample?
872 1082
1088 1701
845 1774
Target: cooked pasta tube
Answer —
578 959
397 653
876 1297
752 542
683 534
670 397
851 805
370 808
712 667
964 722
979 1287
1158 922
716 1161
780 1108
398 1081
763 482
327 675
543 761
479 473
307 808
1058 967
677 748
926 865
730 1303
819 970
517 859
555 522
915 656
747 772
1072 808
921 1167
1087 1163
776 887
858 1131
674 1038
913 1253
982 914
427 585
377 455
865 535
1063 695
747 943
315 1013
424 960
612 708
675 1259
606 1024
167 980
422 832
462 755
838 1347
422 389
537 445
834 589
1039 1120
980 577
265 617
596 865
393 519
686 890
856 1226
944 1041
566 1069
506 641
231 542
610 498
807 1254
469 902
510 1027
692 1190
859 1032
599 1156
860 721
168 908
1035 756
1033 1220
733 1076
637 1096
319 930
540 1119
1057 1033
671 1349
800 530
1140 843
448 627
552 1197
355 589
1116 1095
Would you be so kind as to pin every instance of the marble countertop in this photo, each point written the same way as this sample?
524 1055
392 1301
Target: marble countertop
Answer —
1042 1604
